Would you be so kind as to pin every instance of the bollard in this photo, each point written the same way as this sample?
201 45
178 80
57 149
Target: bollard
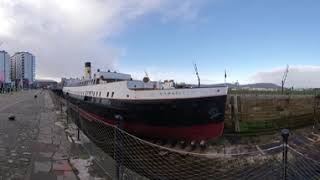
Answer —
285 135
12 117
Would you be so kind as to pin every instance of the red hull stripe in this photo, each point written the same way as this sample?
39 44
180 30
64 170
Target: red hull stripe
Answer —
195 132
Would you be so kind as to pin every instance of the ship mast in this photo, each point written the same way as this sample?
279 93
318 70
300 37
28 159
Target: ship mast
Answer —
196 70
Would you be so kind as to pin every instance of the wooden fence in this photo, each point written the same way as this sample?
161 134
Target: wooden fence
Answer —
257 113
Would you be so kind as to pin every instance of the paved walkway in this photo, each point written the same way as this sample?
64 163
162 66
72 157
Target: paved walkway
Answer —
34 146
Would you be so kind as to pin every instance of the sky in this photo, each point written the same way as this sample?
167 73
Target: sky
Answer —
252 40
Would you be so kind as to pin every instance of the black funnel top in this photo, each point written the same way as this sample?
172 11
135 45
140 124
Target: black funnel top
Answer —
87 64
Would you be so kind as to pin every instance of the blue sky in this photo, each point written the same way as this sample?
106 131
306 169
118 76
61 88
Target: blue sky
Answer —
253 40
243 37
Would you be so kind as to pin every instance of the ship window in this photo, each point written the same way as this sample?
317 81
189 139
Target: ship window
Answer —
100 94
107 94
112 94
127 95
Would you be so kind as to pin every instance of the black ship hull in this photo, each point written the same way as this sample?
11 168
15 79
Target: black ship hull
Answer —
181 119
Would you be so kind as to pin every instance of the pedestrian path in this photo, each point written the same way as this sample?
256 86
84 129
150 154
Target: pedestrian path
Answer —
33 146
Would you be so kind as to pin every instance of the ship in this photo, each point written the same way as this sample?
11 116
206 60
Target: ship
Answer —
151 109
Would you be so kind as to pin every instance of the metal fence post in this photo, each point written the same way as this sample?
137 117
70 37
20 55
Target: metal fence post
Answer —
118 147
285 134
78 124
60 105
67 112
316 108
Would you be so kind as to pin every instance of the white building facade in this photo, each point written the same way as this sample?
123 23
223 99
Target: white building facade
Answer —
5 69
23 68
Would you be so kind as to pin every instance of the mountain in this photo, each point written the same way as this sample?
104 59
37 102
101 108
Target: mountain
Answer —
230 85
261 85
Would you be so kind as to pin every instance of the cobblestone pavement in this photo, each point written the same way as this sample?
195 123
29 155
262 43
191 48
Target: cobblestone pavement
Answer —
34 145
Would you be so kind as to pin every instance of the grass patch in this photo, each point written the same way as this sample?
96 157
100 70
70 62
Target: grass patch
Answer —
84 156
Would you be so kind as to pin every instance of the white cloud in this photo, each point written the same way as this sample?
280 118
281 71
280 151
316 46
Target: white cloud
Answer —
184 11
63 34
299 76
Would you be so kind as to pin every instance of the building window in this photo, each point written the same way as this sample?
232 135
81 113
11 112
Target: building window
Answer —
107 94
112 94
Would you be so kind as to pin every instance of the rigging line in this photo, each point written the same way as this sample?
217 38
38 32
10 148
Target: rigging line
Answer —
245 172
257 176
309 168
267 174
306 146
303 155
305 164
297 170
265 169
312 163
295 174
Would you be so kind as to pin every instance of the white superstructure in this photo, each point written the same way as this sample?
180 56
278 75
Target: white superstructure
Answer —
5 68
120 90
113 75
112 85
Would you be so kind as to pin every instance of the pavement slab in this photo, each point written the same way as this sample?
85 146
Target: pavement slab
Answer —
33 146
